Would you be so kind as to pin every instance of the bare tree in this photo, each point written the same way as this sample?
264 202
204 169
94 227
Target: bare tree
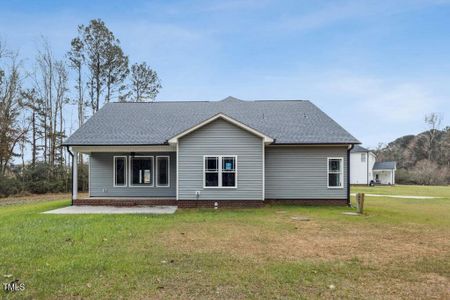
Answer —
61 79
31 102
145 84
11 131
44 76
50 83
77 59
433 121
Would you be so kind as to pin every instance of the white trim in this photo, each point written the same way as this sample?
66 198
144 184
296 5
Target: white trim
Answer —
219 172
309 145
263 171
119 149
177 162
168 171
89 176
266 138
131 173
74 175
341 173
114 171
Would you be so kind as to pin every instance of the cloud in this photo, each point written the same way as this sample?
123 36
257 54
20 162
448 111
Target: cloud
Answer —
327 15
393 101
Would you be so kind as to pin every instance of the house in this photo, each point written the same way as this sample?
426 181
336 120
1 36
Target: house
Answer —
362 161
213 153
384 172
364 169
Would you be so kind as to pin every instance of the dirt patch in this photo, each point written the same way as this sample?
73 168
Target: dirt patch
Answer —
36 198
308 240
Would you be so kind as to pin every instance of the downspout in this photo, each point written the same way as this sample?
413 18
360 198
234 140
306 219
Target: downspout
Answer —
348 175
73 161
367 173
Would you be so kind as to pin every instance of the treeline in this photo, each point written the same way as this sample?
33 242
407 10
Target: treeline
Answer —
423 158
36 98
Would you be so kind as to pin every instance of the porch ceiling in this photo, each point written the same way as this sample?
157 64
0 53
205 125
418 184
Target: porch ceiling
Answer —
112 148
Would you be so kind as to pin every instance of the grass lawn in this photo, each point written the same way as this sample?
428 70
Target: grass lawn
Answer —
399 249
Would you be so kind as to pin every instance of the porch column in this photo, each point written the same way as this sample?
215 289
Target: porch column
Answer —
75 175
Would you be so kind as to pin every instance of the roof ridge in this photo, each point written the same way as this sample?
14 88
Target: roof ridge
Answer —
209 101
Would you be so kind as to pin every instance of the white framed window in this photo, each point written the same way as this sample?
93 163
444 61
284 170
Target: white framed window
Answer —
141 171
220 171
335 170
363 157
163 171
119 171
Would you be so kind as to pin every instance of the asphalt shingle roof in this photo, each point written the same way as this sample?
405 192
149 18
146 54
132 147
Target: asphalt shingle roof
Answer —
286 121
385 165
358 148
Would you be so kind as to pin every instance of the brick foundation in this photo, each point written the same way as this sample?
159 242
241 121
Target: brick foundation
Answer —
124 202
209 203
306 202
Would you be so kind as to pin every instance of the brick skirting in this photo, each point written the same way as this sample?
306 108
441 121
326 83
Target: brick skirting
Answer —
124 202
306 202
209 203
220 203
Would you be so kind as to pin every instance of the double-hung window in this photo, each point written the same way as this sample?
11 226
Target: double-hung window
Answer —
120 171
141 171
220 171
363 157
335 172
162 171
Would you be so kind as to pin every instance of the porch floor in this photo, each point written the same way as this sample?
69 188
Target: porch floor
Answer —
98 209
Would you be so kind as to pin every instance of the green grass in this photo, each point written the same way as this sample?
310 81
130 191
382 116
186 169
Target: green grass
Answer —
407 190
398 249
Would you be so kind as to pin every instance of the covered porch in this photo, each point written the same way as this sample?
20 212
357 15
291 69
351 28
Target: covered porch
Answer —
127 175
386 177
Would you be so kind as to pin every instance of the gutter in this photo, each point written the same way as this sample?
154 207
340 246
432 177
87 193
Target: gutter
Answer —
348 174
73 161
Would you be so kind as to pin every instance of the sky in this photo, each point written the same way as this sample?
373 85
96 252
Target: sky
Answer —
376 67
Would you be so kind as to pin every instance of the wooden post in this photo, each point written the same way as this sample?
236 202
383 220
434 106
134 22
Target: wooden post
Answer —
360 203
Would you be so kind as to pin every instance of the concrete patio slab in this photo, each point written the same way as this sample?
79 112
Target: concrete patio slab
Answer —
87 209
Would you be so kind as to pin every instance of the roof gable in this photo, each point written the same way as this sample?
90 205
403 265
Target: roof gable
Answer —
266 138
358 148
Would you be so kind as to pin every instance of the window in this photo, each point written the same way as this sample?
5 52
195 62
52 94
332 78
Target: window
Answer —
211 171
228 171
120 171
162 171
220 171
335 172
141 169
363 157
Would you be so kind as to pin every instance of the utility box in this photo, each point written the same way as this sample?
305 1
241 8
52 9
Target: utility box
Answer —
359 203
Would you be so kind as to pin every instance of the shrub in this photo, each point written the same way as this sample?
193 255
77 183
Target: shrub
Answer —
428 172
9 186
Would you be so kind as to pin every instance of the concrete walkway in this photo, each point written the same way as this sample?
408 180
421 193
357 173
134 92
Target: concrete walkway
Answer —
398 196
87 209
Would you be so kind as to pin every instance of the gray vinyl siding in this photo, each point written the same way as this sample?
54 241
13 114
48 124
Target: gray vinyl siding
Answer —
220 138
301 172
101 177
